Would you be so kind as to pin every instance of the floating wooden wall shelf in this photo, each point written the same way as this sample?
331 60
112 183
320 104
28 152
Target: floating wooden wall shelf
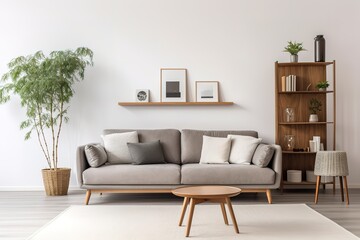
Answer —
130 104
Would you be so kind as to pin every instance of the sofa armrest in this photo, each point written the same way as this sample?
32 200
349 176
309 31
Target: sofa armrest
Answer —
81 163
276 165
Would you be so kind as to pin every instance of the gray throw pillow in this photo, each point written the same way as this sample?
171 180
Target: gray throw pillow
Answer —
95 155
263 155
146 153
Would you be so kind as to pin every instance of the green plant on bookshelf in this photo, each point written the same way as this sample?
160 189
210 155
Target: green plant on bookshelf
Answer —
294 48
314 107
322 85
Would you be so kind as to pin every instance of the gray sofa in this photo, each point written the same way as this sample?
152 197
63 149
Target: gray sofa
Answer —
182 150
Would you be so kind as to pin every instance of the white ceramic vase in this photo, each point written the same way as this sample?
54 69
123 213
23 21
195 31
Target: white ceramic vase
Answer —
313 118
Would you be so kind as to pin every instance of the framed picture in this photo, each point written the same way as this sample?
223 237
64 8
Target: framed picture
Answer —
207 91
142 95
173 85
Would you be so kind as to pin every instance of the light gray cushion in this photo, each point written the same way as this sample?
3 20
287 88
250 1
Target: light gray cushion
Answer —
215 150
146 153
263 155
226 174
192 140
95 155
242 148
116 146
169 138
133 174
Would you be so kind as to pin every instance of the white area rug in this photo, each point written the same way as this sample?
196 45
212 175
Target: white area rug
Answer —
277 222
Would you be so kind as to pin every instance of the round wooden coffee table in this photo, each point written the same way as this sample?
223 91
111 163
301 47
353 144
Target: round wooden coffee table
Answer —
200 194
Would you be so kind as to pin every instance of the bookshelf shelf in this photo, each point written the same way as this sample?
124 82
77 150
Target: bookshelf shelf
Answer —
305 92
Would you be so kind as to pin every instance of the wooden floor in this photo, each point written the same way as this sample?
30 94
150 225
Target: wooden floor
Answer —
22 213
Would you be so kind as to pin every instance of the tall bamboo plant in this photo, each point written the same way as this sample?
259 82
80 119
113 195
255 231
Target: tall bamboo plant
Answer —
45 87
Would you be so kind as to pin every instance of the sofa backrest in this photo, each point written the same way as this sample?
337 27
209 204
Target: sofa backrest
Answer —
192 140
169 138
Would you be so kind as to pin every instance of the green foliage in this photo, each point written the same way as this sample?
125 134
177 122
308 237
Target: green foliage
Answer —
294 48
315 106
44 85
323 84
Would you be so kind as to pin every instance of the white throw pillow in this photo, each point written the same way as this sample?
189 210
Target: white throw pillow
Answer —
116 146
215 150
242 148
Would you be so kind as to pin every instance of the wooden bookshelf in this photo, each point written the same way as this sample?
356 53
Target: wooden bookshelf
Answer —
134 104
307 73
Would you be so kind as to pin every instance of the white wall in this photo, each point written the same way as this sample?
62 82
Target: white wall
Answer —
232 41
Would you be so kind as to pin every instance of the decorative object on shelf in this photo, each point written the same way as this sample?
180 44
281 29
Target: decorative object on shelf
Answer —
319 48
294 176
308 87
45 87
289 142
317 141
312 145
173 84
289 114
207 91
142 95
334 164
314 107
294 48
322 85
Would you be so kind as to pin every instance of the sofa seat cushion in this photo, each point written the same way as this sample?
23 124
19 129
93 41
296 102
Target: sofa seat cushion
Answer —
133 174
233 174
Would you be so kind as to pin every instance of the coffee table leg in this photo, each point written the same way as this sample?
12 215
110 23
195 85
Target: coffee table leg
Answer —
185 203
228 202
224 213
192 206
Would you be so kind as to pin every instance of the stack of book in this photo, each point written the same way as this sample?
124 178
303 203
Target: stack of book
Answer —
288 83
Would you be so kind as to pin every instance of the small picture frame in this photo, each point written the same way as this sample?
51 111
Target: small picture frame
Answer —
173 85
207 91
142 95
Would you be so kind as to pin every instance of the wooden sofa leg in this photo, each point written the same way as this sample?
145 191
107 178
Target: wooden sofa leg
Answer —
87 197
268 195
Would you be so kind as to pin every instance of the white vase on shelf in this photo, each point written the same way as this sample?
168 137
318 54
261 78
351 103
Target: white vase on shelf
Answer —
313 118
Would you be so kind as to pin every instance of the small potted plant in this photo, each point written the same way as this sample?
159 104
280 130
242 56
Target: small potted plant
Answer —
314 107
322 85
294 48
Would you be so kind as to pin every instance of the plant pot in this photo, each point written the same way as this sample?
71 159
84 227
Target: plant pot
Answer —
313 118
322 89
293 58
56 182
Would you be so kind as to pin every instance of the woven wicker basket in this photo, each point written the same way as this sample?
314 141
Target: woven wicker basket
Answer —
56 183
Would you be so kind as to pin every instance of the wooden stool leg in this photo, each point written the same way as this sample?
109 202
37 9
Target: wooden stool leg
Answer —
334 186
183 210
224 213
318 179
341 188
228 202
346 191
192 206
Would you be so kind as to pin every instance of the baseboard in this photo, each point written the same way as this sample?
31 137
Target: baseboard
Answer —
30 188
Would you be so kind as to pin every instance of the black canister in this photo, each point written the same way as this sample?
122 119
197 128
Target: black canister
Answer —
319 48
